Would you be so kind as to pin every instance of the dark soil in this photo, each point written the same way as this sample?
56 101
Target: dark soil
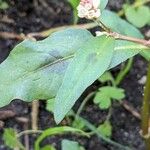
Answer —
29 17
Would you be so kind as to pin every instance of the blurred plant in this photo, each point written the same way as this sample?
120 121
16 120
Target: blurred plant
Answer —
105 129
11 140
3 5
138 14
74 4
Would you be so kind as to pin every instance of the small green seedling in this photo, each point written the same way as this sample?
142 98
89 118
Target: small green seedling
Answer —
106 94
105 129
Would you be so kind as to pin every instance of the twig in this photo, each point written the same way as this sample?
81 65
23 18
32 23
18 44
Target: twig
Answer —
5 19
34 114
1 124
47 7
5 114
8 35
52 30
118 36
29 132
130 109
25 122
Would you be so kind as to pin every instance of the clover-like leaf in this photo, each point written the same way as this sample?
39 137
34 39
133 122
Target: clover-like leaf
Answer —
106 94
105 129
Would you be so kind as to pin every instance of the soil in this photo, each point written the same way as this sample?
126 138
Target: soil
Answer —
27 16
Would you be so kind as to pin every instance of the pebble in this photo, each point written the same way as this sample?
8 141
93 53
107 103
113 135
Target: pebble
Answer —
142 81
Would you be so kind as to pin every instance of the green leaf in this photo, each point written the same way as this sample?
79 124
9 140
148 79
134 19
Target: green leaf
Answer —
11 140
105 94
35 69
146 54
50 105
78 123
137 16
71 145
48 147
90 62
107 76
105 129
56 131
123 49
103 4
114 22
3 5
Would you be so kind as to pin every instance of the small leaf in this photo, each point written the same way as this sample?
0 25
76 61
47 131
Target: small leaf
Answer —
71 145
105 129
50 105
90 62
48 147
103 100
107 76
106 94
11 140
137 16
3 5
79 124
146 54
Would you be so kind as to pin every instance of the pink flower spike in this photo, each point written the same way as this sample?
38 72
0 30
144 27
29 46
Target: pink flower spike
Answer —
89 9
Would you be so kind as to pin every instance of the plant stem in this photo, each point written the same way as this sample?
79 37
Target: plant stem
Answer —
131 39
94 130
83 104
146 111
122 37
123 72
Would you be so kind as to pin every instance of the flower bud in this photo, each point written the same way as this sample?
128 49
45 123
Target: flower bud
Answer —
89 9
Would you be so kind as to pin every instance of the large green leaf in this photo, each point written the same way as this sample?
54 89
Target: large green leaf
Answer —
34 70
90 62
